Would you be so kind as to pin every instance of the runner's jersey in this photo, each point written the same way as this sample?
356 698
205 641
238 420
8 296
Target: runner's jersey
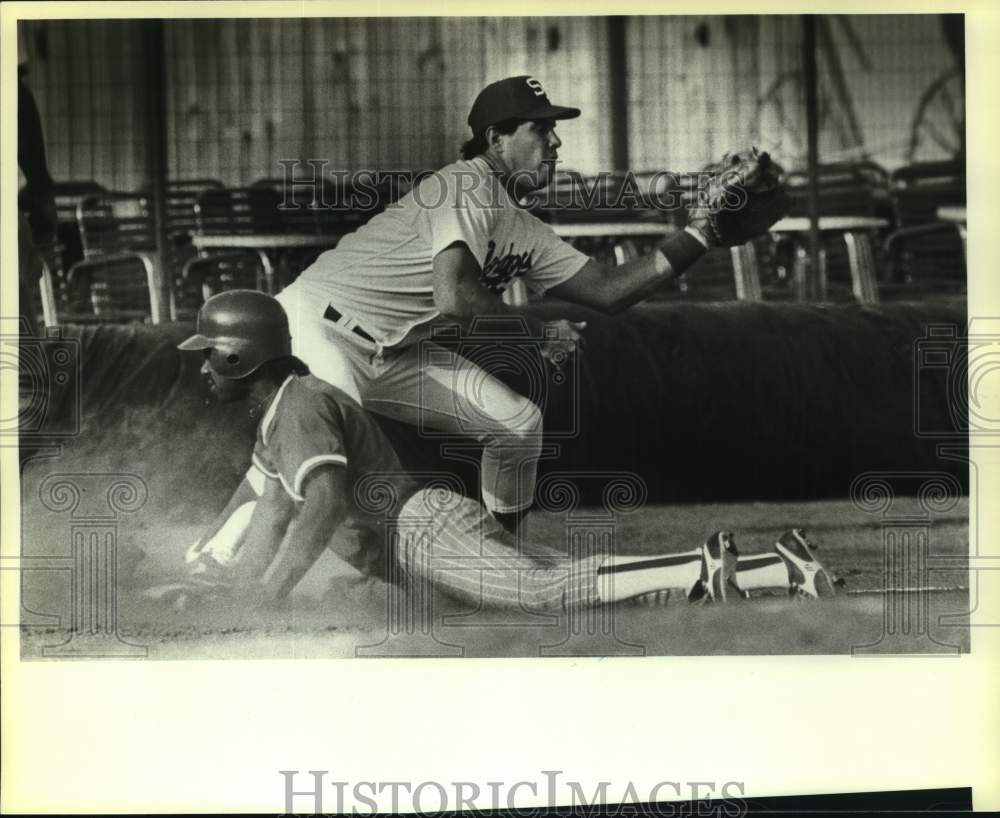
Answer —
310 424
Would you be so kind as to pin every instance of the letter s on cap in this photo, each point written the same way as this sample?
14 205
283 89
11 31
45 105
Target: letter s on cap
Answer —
535 86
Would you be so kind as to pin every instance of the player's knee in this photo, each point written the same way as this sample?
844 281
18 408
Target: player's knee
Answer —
526 424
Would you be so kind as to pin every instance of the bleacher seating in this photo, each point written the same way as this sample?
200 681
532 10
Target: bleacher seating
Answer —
921 255
204 277
925 254
120 287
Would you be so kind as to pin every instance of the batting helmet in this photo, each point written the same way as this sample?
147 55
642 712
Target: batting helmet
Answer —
243 329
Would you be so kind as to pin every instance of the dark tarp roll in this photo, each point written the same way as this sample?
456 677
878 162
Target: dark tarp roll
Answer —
704 402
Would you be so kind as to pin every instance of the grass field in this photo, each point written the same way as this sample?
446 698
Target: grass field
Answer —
334 614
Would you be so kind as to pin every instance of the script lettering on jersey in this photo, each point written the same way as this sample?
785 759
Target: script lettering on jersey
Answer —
499 269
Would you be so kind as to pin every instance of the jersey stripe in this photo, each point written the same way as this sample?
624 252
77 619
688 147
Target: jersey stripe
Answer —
312 463
258 463
265 425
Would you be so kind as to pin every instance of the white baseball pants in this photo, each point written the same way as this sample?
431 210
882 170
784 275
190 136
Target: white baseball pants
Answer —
432 388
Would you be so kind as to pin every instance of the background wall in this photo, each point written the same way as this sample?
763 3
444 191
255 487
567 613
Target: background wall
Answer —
699 85
394 93
86 77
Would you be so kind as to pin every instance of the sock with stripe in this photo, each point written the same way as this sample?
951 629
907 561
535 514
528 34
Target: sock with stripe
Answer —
621 578
755 572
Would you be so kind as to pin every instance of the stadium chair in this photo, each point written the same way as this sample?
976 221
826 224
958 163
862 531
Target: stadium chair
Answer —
122 288
204 277
237 211
853 189
262 209
721 275
335 208
926 255
41 303
68 196
116 223
47 292
51 286
845 189
182 223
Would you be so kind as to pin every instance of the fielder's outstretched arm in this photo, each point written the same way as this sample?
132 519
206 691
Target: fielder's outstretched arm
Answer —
611 289
460 296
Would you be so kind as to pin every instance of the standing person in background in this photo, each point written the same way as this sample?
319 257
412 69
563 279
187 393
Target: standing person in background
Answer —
36 201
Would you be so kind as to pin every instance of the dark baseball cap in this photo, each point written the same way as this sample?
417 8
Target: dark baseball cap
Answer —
515 98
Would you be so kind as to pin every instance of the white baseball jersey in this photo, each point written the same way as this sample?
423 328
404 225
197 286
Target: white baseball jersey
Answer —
381 275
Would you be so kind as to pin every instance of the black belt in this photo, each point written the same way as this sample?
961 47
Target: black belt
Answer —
333 315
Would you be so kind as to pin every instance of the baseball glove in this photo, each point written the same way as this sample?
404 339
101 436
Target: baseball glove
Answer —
737 199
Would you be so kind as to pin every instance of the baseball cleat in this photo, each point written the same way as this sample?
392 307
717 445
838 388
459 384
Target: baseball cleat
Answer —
718 567
653 599
806 575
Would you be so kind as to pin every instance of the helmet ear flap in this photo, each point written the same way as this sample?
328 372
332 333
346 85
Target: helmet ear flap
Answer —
243 329
228 362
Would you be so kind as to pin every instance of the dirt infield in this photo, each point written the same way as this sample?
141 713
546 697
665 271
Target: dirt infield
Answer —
334 615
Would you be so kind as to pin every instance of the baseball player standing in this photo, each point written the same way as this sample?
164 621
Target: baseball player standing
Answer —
448 250
316 445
